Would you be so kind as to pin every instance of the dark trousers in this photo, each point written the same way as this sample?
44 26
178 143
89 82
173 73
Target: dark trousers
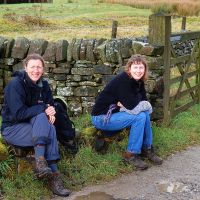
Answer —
37 131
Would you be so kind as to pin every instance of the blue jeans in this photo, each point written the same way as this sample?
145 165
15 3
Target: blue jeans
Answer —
140 128
37 131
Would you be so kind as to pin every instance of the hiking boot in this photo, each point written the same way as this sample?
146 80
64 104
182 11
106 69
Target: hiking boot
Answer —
57 187
151 156
100 145
135 160
41 169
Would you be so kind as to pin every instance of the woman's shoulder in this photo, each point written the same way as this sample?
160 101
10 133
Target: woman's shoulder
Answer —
45 83
15 81
123 76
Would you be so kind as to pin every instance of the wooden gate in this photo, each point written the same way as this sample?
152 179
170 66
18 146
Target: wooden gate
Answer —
181 66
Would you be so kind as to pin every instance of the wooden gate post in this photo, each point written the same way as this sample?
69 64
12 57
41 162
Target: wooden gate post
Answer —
114 29
183 24
159 35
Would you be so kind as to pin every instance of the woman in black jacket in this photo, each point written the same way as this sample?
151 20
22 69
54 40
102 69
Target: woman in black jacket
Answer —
123 103
28 118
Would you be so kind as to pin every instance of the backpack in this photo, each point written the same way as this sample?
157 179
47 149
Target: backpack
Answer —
65 128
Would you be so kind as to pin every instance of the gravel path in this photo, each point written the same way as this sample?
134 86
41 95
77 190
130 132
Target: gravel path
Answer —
177 179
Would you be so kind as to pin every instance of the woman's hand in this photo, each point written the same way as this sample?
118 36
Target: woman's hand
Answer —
52 119
119 104
50 111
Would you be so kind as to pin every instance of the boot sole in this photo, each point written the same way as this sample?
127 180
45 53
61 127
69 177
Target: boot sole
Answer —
62 195
137 168
151 161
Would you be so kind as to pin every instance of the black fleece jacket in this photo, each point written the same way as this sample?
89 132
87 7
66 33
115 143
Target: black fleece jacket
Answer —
122 89
24 99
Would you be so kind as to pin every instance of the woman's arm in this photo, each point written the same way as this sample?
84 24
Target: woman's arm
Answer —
15 98
141 107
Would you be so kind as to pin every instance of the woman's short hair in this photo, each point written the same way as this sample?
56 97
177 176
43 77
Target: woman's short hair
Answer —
137 59
33 56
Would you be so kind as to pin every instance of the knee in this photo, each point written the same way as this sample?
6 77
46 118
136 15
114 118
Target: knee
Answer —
42 116
141 117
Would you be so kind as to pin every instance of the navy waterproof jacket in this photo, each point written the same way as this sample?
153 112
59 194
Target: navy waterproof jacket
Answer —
24 99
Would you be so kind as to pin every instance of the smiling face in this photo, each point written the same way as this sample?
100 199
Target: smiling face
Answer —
34 69
137 70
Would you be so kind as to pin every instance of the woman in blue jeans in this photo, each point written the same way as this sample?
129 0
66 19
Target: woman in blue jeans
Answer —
123 103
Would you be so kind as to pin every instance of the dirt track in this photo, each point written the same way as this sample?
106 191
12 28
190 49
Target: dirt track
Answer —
177 179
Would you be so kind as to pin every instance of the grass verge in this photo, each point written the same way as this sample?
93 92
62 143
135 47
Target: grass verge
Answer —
88 167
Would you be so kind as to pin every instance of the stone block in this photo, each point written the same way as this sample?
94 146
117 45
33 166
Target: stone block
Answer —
126 48
113 53
50 52
83 49
1 72
72 84
50 65
76 78
86 78
9 45
90 51
136 46
85 91
70 50
82 71
75 107
2 47
100 52
60 77
65 91
20 48
102 69
61 70
38 46
76 49
18 66
61 50
151 50
9 61
1 83
97 43
150 85
88 83
83 64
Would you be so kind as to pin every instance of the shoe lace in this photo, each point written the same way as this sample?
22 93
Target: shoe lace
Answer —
41 163
59 183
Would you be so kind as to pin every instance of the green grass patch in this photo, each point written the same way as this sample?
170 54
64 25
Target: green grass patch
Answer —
86 19
89 168
24 187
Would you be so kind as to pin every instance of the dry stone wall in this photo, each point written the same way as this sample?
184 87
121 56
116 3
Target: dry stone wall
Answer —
77 70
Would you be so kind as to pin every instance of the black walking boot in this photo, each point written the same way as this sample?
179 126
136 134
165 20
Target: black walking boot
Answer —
135 160
41 168
151 156
57 187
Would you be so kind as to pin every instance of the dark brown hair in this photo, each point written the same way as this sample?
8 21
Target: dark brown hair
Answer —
33 56
137 59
